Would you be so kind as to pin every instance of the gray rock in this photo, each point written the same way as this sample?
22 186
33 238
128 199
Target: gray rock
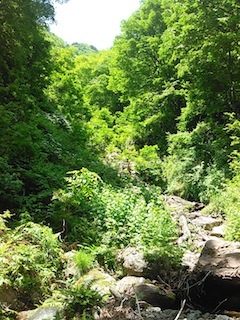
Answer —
194 314
218 231
42 313
170 312
190 259
48 313
126 285
154 296
71 270
220 258
98 280
178 204
222 317
219 275
207 223
133 261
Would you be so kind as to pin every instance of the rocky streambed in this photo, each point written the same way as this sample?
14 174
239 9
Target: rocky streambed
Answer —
207 286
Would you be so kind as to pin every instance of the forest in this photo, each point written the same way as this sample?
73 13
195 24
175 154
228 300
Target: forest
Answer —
92 141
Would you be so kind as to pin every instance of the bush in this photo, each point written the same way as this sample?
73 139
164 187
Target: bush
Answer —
30 261
193 169
81 299
82 187
227 200
148 164
231 205
11 185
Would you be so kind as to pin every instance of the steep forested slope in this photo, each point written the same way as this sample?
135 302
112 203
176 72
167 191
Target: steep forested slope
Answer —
26 132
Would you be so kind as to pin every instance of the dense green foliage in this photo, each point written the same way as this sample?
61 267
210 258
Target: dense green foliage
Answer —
27 134
115 217
30 258
90 140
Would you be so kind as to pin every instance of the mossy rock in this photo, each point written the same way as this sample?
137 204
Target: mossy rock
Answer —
42 313
98 281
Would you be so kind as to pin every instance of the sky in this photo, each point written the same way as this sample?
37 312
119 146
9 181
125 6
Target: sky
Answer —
95 22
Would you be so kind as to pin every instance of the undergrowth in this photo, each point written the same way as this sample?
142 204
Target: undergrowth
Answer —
31 262
101 215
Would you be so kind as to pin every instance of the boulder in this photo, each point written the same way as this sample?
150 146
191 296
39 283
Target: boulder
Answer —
133 262
99 281
139 289
125 286
42 313
207 223
153 295
216 277
71 270
218 231
220 258
177 204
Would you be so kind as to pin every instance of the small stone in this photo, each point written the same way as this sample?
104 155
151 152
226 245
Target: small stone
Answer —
222 317
192 316
207 315
154 309
190 259
170 313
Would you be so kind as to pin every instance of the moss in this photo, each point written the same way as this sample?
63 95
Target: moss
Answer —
97 280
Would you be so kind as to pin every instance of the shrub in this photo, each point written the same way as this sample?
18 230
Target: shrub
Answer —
11 185
30 261
228 201
82 187
148 164
3 220
81 300
193 169
231 207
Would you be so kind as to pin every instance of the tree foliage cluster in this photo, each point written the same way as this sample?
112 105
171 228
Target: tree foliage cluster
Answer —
89 140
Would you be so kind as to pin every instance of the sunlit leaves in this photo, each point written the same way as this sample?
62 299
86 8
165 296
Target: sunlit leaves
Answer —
202 40
136 62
